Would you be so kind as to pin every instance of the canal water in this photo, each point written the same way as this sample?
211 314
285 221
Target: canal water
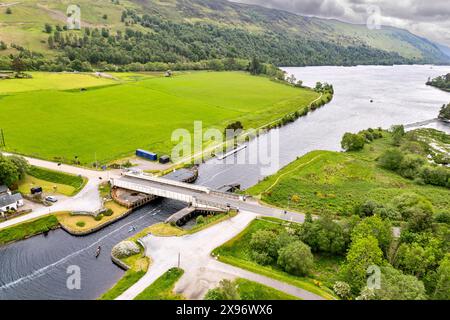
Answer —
37 268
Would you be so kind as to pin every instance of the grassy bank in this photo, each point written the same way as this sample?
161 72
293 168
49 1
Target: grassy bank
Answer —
333 182
156 107
237 252
249 290
162 288
28 229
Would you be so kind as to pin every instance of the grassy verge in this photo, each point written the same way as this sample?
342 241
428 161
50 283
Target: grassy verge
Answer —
249 290
237 253
28 229
76 182
162 288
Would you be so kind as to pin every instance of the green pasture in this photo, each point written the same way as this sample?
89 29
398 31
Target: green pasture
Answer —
111 122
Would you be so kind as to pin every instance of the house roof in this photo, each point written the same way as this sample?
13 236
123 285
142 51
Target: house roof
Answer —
3 189
7 200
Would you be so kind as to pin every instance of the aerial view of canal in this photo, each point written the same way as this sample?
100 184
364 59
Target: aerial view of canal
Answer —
365 96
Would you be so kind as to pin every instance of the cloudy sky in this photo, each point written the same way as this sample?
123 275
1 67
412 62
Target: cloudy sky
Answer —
428 18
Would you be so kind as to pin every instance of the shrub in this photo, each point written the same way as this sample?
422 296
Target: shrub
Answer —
442 217
391 159
342 290
262 246
81 224
200 220
352 142
296 259
99 217
108 213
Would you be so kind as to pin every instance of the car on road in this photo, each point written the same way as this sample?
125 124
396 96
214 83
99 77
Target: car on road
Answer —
51 199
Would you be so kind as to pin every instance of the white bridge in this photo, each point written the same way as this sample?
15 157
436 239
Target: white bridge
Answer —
197 196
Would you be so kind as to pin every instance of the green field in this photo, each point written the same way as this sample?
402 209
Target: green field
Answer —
334 182
112 122
237 252
52 81
128 280
162 288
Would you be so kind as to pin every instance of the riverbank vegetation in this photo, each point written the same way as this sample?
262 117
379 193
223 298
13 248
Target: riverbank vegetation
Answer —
28 229
324 182
391 199
442 82
444 114
225 97
162 288
243 289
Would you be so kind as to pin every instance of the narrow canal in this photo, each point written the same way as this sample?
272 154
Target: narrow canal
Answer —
37 268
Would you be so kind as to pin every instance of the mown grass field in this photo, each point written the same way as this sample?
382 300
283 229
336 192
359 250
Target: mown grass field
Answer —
59 178
237 252
333 182
112 122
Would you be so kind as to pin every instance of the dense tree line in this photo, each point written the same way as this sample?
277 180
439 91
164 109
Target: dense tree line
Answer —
444 114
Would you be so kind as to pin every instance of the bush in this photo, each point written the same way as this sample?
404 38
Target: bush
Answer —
342 290
352 142
81 224
200 220
296 259
442 217
108 213
391 159
262 246
99 217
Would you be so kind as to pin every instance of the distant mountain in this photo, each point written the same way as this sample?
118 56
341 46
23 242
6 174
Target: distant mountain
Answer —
142 31
444 49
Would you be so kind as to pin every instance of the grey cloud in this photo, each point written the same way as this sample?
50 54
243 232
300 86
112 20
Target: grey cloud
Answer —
429 18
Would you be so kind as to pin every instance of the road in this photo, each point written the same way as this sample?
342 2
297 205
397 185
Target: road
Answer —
201 271
213 199
87 199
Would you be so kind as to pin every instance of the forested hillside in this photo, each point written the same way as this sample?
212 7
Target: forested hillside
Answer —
139 34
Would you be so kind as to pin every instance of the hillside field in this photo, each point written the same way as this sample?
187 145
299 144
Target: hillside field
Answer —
326 182
111 122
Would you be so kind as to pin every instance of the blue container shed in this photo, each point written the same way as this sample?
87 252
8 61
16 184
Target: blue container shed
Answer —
146 155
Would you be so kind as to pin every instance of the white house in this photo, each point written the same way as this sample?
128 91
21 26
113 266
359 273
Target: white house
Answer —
9 201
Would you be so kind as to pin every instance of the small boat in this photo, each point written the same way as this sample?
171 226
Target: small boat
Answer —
132 229
97 253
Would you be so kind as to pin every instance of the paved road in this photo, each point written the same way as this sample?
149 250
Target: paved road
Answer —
202 272
87 199
250 205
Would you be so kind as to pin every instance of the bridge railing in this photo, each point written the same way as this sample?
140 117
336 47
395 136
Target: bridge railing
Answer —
169 182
